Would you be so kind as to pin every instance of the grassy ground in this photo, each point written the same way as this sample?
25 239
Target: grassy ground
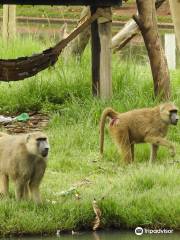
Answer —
128 196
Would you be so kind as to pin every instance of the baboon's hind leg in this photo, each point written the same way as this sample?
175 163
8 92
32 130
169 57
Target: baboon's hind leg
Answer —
126 151
125 146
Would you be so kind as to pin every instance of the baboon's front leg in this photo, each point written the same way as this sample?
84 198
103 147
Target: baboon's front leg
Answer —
153 156
132 151
4 187
26 192
35 194
19 189
35 182
163 142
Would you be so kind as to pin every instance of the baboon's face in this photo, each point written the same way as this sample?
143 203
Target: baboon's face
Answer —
173 117
37 144
169 113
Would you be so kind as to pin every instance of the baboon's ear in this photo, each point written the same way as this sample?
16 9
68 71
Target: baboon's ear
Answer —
28 137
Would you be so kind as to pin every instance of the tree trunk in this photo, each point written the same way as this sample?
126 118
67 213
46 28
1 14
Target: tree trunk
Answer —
130 29
175 11
147 22
78 45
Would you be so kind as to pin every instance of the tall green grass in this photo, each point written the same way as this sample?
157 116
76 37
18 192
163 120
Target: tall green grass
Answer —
128 196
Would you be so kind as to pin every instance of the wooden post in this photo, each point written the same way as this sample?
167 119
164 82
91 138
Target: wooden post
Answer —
9 22
95 51
101 54
170 49
175 10
105 35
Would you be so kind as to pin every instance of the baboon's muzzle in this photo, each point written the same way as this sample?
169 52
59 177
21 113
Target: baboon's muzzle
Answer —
174 118
45 152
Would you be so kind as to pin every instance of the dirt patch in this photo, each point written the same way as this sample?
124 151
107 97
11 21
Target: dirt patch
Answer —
37 122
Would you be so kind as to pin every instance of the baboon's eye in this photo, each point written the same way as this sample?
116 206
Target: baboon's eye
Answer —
173 111
40 139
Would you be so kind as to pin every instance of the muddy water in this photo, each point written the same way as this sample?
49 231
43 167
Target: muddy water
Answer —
109 235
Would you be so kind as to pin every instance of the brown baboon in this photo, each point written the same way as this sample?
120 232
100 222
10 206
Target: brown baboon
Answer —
23 158
146 125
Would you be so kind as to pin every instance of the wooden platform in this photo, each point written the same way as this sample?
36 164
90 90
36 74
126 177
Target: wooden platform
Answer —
100 39
102 3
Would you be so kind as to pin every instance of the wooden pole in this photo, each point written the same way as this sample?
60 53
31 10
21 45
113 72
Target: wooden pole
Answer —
95 49
175 11
101 54
105 35
9 22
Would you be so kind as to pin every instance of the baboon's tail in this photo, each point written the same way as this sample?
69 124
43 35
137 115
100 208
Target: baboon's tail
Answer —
108 112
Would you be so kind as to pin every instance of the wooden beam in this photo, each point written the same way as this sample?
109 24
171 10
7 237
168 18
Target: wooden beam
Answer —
64 2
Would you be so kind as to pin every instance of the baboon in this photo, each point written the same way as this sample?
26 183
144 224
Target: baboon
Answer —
23 158
146 125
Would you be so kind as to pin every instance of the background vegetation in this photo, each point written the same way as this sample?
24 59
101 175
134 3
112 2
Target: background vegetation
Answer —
73 12
128 196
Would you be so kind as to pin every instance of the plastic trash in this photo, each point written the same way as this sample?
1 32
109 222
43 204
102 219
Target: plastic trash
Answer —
4 119
23 117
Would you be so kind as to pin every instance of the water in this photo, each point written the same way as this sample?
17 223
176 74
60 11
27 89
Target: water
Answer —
108 235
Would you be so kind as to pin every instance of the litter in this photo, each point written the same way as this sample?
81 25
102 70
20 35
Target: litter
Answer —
4 119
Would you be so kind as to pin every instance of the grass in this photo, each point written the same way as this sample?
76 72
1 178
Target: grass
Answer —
70 12
128 196
47 11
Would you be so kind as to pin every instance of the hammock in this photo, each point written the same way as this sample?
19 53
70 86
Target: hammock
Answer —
24 67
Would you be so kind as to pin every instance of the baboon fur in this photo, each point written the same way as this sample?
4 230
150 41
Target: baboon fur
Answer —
146 125
22 160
